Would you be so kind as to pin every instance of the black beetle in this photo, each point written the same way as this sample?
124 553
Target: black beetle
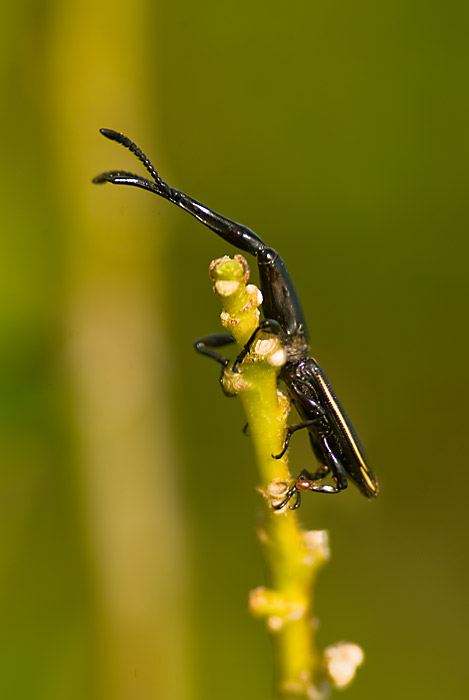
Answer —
333 439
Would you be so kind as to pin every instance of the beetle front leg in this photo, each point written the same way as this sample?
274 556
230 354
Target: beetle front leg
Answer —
266 324
216 340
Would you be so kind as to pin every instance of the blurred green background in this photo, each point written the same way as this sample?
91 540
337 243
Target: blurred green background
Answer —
338 132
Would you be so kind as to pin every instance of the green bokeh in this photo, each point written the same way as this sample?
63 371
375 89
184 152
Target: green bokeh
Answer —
338 132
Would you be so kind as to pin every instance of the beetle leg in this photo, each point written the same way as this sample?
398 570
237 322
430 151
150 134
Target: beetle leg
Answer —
302 483
216 340
297 503
337 468
298 426
306 481
266 324
320 488
290 493
317 476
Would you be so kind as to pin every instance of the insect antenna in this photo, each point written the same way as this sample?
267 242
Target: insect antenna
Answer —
162 186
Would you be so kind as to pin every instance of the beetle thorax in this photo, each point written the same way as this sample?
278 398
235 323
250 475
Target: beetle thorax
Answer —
296 346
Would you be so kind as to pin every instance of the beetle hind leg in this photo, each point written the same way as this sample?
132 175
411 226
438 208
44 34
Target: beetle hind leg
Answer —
306 481
303 482
293 491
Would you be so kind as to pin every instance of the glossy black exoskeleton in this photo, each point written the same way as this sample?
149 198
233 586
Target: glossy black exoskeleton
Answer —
333 439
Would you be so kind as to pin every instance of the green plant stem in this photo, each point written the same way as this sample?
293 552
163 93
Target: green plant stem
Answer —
293 555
